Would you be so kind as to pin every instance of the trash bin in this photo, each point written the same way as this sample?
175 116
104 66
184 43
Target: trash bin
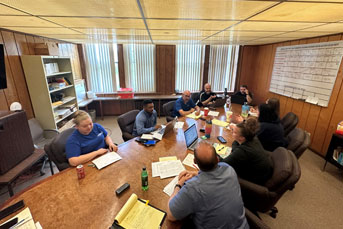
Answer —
92 113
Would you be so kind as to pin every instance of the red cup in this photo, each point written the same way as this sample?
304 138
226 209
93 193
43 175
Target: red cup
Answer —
206 110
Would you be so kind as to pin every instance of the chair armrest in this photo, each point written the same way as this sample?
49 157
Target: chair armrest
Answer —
127 136
253 190
50 133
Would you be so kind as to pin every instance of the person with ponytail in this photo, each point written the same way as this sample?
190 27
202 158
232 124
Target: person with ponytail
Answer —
250 161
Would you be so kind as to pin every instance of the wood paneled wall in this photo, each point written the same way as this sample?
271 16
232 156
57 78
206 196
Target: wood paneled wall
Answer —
15 45
320 122
165 69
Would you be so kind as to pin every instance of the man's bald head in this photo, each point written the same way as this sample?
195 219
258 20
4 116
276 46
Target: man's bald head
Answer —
205 156
186 95
207 88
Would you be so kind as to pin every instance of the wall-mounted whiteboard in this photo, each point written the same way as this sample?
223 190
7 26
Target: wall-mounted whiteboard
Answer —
307 71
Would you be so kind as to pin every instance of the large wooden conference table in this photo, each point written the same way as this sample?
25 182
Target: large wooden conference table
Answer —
63 201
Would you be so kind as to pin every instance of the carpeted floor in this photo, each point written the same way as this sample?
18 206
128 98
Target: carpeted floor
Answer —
315 202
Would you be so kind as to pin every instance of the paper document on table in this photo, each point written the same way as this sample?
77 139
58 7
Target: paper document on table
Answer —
169 189
213 113
193 116
219 123
222 150
147 136
106 160
178 125
137 214
25 220
170 168
172 158
38 226
155 169
189 161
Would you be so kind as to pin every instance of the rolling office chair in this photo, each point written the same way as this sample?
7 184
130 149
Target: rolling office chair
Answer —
286 174
298 141
195 96
56 149
254 221
126 122
40 138
289 122
168 109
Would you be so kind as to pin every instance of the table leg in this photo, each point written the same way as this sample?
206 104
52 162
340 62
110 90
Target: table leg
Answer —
101 111
51 169
10 190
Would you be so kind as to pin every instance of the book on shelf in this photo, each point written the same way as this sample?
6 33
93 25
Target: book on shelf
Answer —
136 213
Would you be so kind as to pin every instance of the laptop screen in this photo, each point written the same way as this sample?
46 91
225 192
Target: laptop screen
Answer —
191 135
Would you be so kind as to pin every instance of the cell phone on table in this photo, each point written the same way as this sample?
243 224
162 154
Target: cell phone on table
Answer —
150 143
221 139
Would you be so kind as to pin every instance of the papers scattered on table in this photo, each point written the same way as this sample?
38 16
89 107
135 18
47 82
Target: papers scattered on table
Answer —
165 169
189 161
25 220
178 125
193 116
106 160
172 158
147 136
253 113
213 113
222 150
169 189
219 123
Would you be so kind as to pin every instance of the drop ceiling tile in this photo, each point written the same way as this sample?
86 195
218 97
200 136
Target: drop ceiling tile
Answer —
186 33
203 9
98 22
332 27
68 36
273 26
111 31
43 31
302 34
4 10
104 8
158 37
240 33
189 24
6 21
303 12
270 40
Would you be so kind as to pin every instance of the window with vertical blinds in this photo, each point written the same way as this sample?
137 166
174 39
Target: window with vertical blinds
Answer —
139 62
189 66
101 69
223 67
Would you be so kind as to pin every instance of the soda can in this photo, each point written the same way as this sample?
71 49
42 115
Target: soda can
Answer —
80 172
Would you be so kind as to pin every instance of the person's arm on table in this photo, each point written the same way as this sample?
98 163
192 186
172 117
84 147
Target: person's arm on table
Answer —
111 146
75 161
184 113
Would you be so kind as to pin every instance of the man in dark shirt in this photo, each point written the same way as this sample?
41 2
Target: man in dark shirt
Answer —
244 92
206 97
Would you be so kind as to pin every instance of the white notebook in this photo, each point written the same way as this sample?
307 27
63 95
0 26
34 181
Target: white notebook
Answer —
106 160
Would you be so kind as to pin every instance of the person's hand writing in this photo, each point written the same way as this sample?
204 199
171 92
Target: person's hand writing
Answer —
197 113
157 127
112 147
101 151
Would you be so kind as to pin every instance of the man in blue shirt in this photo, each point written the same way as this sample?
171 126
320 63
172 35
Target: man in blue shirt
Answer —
210 198
185 105
146 119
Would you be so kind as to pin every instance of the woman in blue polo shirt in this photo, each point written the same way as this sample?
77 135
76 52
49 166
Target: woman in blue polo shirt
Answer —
87 141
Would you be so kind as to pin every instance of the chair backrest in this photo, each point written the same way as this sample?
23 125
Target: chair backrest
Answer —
298 141
289 122
126 122
36 130
195 96
56 149
168 110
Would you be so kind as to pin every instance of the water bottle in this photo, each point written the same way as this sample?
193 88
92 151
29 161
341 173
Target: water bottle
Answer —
228 103
144 177
245 110
208 128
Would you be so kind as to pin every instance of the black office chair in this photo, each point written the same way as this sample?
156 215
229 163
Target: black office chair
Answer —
40 138
298 141
254 221
195 96
289 122
168 109
126 122
56 150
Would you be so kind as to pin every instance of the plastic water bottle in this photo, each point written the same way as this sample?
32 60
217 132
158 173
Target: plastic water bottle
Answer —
245 110
144 177
228 103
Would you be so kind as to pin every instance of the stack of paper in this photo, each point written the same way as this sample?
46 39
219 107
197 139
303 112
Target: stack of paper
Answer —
165 169
147 136
169 189
189 161
25 220
219 123
178 125
106 160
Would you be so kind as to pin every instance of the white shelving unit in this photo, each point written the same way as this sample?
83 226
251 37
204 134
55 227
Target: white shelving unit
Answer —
42 93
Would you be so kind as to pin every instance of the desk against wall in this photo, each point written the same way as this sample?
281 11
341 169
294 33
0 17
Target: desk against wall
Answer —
63 201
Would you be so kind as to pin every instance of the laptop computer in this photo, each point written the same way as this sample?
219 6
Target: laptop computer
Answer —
219 102
165 129
237 99
191 137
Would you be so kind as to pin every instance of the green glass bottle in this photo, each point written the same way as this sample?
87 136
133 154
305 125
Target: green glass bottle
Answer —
144 177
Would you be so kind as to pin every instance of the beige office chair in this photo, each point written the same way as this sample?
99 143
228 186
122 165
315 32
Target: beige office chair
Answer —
40 138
